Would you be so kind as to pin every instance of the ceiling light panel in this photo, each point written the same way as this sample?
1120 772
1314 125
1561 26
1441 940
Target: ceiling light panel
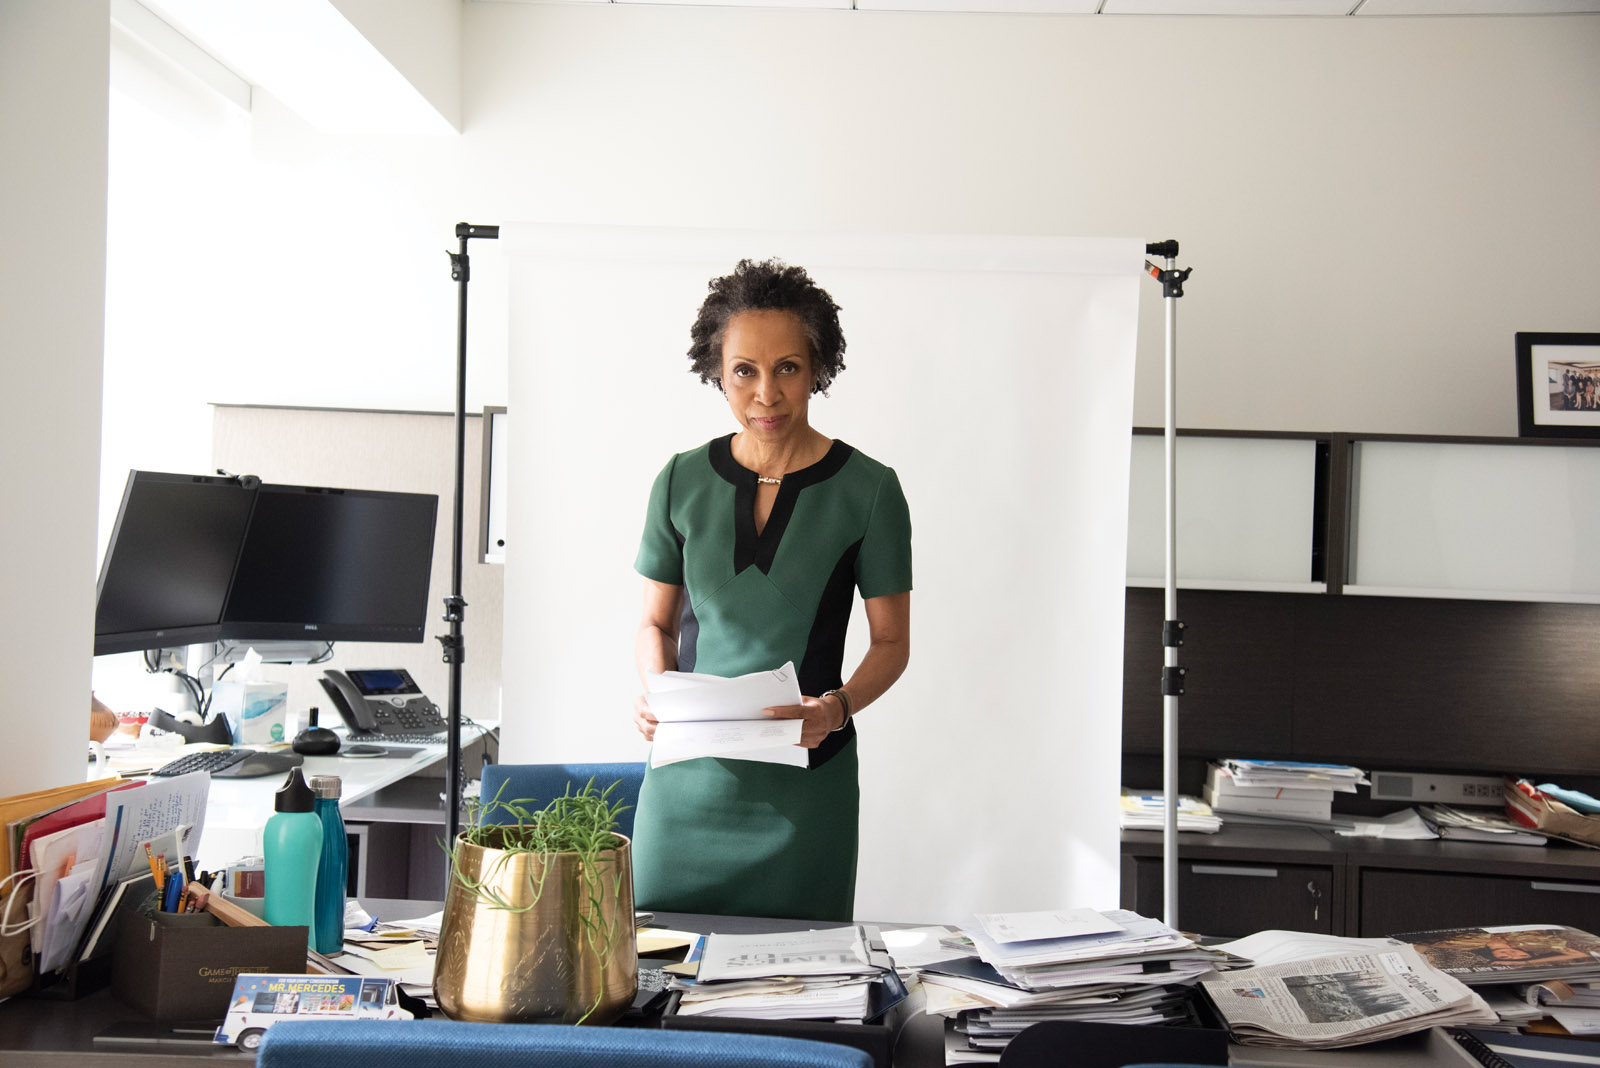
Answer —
1479 7
1228 7
986 7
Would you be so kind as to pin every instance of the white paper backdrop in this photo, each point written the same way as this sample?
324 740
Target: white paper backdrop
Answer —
996 376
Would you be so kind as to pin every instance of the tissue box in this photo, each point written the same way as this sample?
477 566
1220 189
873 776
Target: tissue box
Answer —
257 711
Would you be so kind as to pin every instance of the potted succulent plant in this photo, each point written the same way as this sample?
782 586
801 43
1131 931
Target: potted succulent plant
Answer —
538 916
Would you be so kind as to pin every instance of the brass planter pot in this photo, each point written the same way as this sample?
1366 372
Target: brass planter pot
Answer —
563 953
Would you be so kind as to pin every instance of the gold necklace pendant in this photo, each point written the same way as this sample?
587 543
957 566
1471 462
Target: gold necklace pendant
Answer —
769 481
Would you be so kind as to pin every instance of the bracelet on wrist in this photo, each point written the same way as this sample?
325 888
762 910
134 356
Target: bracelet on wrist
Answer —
844 705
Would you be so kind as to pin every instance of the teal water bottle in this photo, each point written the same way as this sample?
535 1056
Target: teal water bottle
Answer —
292 843
333 868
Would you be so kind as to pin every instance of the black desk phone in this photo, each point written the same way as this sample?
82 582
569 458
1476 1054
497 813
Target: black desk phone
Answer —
381 701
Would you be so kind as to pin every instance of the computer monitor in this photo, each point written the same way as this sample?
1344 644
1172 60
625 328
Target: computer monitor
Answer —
165 577
333 565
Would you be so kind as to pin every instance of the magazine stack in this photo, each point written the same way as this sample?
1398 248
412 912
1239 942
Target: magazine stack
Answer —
1524 972
1148 812
1279 789
1078 964
801 975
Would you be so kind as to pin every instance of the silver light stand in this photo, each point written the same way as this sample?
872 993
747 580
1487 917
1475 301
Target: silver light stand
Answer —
455 606
1171 280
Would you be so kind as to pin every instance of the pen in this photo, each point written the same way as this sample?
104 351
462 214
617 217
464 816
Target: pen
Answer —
174 888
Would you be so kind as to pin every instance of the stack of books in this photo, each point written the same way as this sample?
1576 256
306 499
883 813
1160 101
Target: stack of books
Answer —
1279 789
800 975
1079 964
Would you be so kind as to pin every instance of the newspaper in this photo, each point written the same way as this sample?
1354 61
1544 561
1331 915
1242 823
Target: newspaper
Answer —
1343 1000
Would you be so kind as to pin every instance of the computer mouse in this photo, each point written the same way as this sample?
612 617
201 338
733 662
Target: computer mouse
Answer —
258 764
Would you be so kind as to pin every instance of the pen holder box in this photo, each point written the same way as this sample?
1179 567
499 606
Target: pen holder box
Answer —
182 966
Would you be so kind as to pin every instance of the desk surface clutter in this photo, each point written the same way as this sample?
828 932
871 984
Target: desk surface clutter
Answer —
1005 988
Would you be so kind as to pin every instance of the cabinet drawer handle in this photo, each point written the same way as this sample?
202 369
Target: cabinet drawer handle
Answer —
1223 869
1567 888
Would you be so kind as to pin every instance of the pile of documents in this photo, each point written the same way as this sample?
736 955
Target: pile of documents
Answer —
1321 992
1477 825
1279 789
1078 964
795 975
1147 812
70 855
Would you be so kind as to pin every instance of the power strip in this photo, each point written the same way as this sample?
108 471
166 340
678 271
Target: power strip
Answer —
1437 789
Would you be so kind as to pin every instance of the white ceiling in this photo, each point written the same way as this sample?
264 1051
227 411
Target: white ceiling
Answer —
1162 7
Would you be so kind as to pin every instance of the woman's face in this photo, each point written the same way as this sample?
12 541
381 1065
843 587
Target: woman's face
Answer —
1509 953
766 373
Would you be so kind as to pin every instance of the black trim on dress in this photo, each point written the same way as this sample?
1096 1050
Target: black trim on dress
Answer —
820 668
762 549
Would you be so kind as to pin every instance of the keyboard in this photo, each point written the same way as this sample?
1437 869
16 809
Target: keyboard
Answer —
232 763
211 760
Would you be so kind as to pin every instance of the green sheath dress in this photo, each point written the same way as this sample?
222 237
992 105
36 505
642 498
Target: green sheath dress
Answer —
737 837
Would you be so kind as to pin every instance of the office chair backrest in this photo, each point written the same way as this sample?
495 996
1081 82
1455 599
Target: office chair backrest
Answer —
414 1044
545 782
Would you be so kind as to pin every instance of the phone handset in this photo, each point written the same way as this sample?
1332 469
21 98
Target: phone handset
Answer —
350 701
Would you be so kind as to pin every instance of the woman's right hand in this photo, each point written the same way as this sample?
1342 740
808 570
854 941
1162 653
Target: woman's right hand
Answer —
642 718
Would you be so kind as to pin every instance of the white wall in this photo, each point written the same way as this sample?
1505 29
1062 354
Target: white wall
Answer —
1373 206
52 296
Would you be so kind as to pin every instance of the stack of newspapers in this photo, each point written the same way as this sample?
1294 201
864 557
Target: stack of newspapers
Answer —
1076 964
1319 992
798 975
1278 789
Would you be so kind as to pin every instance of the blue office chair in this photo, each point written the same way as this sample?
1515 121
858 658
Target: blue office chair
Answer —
547 781
431 1043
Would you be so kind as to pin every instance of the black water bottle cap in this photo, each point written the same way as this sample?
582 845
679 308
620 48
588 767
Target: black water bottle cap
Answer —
294 795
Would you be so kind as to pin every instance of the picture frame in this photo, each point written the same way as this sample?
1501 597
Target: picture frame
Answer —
1558 385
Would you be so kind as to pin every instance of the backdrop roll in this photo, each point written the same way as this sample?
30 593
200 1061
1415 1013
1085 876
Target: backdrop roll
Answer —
996 376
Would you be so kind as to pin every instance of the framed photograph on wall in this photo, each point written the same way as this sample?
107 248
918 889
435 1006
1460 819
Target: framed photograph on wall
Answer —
1558 385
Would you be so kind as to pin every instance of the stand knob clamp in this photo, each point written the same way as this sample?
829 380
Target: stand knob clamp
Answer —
1172 677
454 645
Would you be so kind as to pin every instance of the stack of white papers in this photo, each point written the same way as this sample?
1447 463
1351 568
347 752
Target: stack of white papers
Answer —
1072 964
1295 774
709 716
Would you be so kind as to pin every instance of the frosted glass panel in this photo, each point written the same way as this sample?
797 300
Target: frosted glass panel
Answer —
1244 510
1476 518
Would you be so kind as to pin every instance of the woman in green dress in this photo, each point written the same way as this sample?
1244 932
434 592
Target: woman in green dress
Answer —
753 548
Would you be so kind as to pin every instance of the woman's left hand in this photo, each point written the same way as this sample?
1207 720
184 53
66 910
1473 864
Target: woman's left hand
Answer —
822 717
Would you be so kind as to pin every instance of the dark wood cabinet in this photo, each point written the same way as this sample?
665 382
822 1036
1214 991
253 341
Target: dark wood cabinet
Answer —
1232 899
1248 879
1393 902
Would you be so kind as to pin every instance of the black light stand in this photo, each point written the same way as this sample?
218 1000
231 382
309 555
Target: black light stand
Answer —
1171 280
455 606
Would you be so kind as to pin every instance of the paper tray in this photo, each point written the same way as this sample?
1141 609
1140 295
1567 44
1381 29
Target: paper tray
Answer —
877 1039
